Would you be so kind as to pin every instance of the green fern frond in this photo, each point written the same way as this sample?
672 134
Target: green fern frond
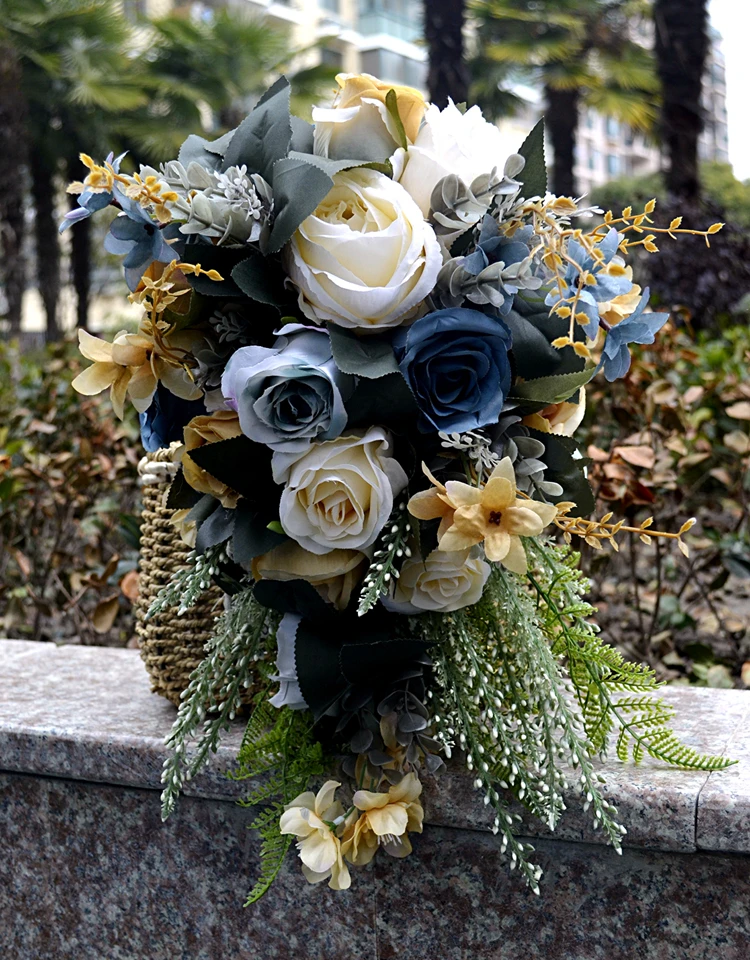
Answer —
278 749
599 672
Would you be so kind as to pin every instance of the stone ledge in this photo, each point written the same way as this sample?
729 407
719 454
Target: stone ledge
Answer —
86 713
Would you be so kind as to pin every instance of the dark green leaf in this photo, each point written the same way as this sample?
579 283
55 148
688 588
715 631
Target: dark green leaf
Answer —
264 136
387 400
391 105
203 508
244 466
207 153
251 534
210 257
534 174
181 495
298 188
554 389
216 528
261 279
567 470
364 356
303 135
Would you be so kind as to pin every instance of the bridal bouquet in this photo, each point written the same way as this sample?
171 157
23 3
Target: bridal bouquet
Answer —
372 337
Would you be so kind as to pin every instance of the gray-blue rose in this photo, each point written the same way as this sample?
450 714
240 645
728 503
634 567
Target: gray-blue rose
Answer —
289 394
456 364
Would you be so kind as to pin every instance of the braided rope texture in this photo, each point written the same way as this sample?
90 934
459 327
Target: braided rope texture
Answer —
171 646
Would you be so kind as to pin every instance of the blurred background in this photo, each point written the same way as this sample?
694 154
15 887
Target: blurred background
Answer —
642 98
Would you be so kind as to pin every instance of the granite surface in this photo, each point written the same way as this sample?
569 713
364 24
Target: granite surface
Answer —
87 713
88 872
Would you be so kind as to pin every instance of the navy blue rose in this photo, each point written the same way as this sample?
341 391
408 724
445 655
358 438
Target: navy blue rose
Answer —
456 364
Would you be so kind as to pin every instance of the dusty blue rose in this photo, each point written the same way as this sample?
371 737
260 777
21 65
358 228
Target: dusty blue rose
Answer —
289 394
456 364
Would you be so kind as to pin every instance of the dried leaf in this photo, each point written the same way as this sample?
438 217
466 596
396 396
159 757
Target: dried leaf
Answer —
740 411
642 456
24 564
105 613
692 395
738 442
722 475
129 585
745 673
39 426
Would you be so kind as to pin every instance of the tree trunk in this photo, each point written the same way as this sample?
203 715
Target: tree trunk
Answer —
80 265
46 239
681 48
13 156
447 75
561 123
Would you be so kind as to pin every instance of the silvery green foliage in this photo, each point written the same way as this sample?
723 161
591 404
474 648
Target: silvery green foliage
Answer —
476 445
511 439
231 325
495 284
214 695
231 207
211 358
456 206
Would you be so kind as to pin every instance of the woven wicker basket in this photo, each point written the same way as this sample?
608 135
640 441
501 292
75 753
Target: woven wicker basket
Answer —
171 646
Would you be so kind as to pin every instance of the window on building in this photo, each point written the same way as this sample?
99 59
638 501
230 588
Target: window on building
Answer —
394 67
613 164
589 119
612 127
593 159
332 5
331 58
397 18
629 136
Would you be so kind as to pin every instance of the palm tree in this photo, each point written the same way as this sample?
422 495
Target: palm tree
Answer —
681 48
582 52
12 173
205 74
73 73
447 75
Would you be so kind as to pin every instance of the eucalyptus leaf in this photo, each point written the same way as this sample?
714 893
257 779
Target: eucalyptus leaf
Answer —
303 135
264 135
534 174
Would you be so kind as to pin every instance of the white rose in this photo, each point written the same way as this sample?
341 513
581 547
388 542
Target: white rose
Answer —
443 582
451 142
366 257
340 493
359 126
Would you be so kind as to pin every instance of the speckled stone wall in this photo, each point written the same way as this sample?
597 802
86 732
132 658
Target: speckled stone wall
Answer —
89 872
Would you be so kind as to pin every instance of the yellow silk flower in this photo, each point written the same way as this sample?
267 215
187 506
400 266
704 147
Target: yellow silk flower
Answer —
308 817
495 515
384 821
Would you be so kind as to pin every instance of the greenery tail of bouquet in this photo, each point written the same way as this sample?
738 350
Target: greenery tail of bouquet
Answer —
372 336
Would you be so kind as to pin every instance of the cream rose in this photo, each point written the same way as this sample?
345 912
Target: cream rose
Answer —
451 142
358 126
366 257
340 493
334 575
442 582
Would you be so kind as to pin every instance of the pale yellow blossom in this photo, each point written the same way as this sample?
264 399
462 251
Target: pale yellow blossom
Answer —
310 817
384 821
494 514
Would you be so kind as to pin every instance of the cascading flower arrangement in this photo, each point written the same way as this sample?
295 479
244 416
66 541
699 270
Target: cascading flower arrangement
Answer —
372 335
